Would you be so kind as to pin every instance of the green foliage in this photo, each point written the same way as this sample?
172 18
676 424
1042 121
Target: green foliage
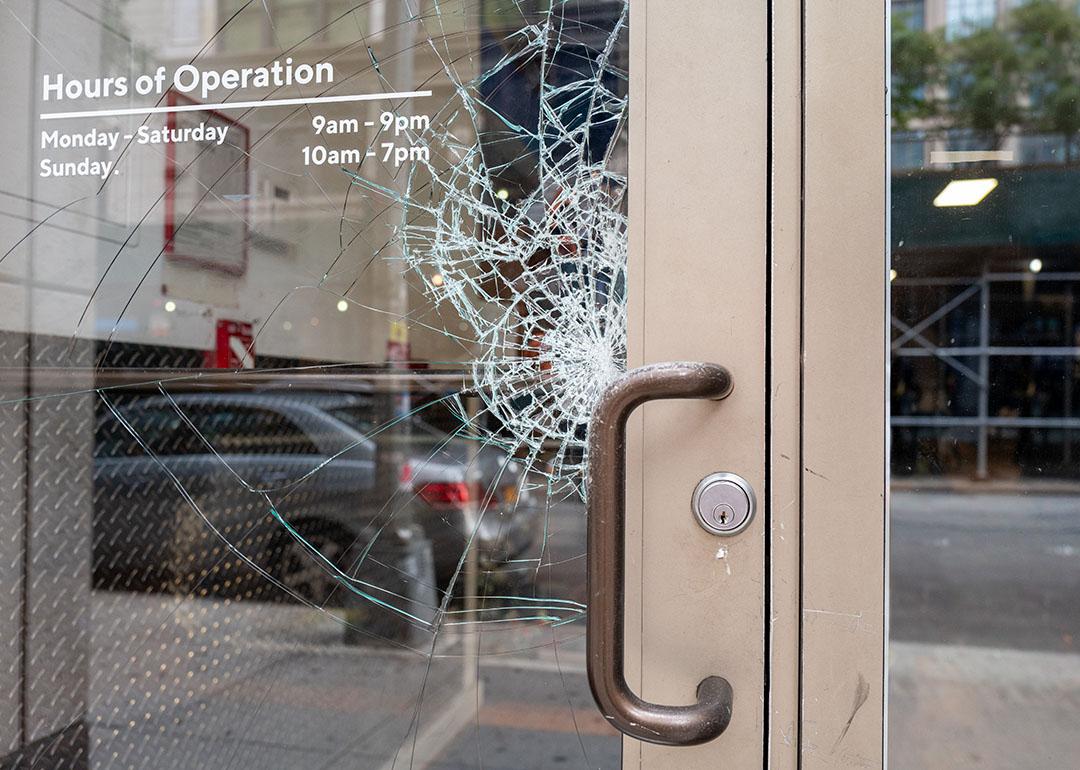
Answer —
1047 38
1023 72
985 83
916 71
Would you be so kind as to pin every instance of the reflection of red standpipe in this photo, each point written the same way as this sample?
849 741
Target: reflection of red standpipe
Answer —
397 354
234 348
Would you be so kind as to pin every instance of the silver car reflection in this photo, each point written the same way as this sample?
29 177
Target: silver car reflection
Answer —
198 492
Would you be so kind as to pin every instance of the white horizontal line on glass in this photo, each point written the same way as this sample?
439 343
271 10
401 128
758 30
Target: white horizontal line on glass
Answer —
234 105
970 156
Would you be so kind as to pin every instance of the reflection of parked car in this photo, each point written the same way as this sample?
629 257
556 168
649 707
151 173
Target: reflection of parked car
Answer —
239 457
452 476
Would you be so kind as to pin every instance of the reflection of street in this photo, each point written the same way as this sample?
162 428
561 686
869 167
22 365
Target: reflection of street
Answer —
180 682
994 570
183 683
537 711
953 707
537 714
985 614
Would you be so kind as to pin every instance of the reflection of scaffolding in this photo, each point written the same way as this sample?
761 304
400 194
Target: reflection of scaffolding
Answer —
982 422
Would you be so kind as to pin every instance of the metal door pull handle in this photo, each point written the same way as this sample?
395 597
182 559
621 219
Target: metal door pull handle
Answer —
606 505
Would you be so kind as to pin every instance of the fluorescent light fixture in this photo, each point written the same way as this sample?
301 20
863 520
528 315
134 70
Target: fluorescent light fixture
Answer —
965 192
1035 265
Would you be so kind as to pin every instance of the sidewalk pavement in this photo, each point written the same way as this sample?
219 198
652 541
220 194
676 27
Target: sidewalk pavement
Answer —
953 706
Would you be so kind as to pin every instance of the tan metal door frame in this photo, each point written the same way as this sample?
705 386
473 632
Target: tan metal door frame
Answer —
844 457
758 241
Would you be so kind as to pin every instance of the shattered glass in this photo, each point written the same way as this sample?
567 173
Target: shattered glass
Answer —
294 395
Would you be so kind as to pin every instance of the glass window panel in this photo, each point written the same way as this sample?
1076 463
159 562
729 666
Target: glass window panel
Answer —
292 443
985 577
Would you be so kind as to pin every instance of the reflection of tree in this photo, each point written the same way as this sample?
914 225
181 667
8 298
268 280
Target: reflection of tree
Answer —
1047 37
984 74
1023 73
916 72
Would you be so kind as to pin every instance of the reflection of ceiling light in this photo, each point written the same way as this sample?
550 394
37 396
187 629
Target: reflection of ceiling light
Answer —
287 326
503 193
170 306
892 275
437 279
965 192
1035 265
342 306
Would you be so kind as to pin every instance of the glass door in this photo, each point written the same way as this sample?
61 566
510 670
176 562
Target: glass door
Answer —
306 305
307 308
985 536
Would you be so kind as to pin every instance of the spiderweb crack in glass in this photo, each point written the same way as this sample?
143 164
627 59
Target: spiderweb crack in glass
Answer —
538 281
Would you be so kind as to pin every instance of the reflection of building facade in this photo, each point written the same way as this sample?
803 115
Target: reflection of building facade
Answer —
986 334
228 247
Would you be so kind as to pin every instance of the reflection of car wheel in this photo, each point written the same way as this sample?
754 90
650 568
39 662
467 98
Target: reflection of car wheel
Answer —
308 572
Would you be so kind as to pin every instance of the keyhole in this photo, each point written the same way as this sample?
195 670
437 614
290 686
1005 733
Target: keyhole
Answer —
722 515
723 503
